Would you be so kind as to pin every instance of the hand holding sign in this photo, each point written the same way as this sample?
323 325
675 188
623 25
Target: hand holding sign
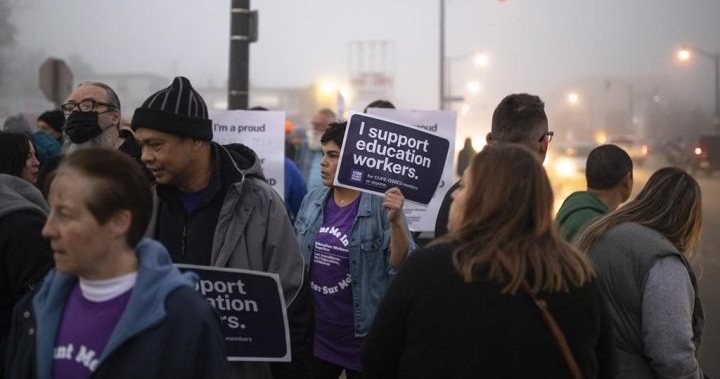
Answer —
393 202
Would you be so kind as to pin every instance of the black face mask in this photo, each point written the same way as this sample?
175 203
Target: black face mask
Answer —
82 126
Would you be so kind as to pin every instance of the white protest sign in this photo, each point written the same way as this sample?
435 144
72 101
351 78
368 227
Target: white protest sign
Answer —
421 218
262 131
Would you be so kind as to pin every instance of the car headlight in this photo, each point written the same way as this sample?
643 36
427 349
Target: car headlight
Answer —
565 168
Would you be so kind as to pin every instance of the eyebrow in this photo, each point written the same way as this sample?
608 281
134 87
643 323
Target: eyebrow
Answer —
85 98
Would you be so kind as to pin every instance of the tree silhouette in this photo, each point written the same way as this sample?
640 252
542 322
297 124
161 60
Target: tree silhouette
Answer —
7 36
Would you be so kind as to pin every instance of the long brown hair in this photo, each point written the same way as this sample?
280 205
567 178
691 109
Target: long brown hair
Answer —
507 226
670 203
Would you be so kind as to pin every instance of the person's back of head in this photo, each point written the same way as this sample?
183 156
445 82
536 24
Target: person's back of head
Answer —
506 224
670 203
609 174
380 103
607 166
520 118
17 124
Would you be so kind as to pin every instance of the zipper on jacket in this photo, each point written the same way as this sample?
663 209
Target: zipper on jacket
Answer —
182 241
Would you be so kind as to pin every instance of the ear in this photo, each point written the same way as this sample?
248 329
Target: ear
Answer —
488 138
627 184
197 144
116 117
542 150
120 223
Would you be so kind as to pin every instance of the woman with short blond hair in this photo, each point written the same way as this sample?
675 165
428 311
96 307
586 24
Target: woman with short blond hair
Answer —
464 308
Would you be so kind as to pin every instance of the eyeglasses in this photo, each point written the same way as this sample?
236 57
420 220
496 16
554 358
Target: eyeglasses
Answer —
548 135
87 105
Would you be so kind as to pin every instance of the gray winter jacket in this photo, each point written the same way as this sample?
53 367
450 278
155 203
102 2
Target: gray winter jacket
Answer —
253 232
652 295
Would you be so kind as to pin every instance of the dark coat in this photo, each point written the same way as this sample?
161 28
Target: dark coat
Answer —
431 324
25 256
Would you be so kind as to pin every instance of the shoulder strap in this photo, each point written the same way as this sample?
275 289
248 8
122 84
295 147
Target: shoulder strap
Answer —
556 332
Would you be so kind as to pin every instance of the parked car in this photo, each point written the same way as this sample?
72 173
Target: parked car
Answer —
569 160
637 151
705 155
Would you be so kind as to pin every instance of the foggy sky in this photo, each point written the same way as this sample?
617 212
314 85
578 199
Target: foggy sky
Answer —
538 46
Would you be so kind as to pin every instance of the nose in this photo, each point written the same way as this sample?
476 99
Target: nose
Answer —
48 230
35 162
146 155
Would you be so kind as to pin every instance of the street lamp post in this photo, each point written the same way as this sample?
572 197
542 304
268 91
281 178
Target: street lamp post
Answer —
444 71
684 55
446 95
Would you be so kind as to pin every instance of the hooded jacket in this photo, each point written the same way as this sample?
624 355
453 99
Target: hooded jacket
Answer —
577 211
239 222
26 256
167 330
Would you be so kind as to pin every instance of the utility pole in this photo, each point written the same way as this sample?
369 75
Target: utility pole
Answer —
442 54
243 31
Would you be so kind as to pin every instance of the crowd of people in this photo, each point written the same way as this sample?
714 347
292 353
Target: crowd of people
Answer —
94 213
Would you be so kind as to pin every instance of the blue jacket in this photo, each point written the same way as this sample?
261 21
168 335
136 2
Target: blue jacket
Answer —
167 329
295 189
369 250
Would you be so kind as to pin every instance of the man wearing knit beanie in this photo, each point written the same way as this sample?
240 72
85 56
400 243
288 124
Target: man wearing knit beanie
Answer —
215 207
52 123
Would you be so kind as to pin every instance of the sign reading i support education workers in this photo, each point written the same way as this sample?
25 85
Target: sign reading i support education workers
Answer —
379 154
252 311
262 131
421 218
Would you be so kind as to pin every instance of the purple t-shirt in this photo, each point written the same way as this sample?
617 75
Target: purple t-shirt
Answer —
85 329
335 339
190 200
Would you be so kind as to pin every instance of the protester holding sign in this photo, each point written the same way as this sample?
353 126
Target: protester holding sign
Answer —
352 243
114 307
215 207
464 307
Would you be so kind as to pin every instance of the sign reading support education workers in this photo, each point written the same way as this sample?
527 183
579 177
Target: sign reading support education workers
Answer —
262 131
421 218
379 154
252 311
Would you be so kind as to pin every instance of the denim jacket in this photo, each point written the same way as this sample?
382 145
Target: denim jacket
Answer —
369 250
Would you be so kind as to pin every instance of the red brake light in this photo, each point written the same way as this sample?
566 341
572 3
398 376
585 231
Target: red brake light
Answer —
698 151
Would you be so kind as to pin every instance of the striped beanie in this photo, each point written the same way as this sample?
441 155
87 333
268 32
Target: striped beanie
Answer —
177 109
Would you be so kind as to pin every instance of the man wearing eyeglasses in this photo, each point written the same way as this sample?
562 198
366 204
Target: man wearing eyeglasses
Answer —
519 118
93 117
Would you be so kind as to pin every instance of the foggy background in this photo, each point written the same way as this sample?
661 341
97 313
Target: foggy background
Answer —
603 54
547 47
